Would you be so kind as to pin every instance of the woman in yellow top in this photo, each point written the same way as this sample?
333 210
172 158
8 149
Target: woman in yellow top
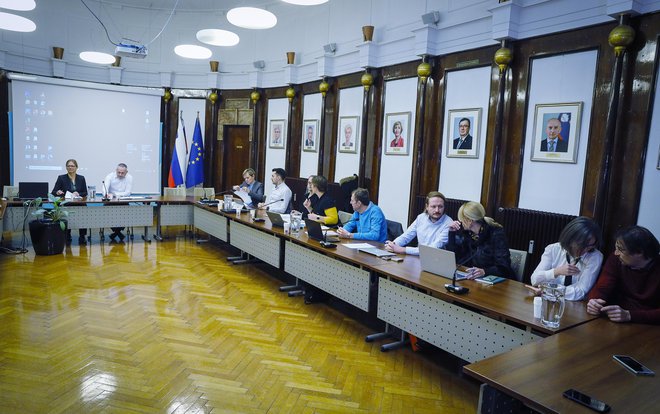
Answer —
324 208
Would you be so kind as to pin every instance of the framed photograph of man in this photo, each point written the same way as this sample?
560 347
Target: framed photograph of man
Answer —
556 132
463 133
276 133
396 133
348 134
310 135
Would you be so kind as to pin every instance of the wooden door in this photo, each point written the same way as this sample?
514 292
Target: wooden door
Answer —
236 156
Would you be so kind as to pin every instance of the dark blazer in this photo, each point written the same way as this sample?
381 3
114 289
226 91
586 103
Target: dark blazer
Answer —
257 193
562 146
467 144
489 251
64 183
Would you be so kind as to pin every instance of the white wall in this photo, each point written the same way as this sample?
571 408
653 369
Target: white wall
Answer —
350 104
311 110
395 170
648 205
275 157
552 186
462 178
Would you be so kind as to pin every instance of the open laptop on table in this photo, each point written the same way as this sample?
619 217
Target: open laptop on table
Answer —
314 231
276 219
32 190
440 262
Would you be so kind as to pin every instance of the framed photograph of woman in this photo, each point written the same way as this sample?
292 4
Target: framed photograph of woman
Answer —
396 133
556 132
310 135
348 134
276 131
463 134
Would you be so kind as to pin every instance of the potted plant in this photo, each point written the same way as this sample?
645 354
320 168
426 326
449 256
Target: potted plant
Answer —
48 231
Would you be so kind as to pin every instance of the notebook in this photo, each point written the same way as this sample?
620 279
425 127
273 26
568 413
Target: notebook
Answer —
490 279
276 219
377 252
440 262
315 232
30 190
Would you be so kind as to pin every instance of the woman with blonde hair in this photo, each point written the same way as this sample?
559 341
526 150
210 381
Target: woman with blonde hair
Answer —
479 243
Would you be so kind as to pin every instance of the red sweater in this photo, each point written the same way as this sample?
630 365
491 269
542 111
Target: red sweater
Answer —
635 290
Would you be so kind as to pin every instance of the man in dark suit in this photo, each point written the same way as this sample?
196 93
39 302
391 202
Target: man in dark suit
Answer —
309 139
464 141
251 186
554 142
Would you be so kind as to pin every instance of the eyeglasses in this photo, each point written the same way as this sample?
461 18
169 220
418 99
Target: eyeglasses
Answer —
70 166
618 248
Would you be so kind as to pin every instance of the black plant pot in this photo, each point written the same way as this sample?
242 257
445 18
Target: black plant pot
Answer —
47 237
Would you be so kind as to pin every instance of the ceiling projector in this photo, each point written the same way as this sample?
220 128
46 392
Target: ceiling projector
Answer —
131 51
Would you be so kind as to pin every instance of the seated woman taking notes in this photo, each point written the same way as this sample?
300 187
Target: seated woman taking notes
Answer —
573 261
323 207
479 243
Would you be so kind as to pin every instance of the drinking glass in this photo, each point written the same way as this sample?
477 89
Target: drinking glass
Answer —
553 303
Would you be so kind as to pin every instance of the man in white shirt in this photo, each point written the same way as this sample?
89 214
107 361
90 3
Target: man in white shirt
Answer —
280 196
118 184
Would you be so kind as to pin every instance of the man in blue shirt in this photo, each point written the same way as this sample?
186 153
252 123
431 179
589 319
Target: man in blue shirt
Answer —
368 221
431 228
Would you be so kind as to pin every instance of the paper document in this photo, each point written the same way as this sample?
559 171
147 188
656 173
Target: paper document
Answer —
358 245
244 196
69 196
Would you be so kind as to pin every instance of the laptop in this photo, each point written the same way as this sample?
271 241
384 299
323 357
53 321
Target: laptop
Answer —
276 219
440 262
314 231
32 190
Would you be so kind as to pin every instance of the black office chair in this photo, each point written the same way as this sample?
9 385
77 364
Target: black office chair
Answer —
394 229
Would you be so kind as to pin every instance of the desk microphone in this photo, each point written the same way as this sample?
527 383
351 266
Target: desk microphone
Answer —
105 189
272 202
453 287
325 243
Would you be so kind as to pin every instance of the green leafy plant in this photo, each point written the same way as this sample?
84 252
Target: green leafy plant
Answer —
57 213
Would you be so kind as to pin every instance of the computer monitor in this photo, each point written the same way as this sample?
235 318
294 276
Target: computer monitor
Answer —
32 190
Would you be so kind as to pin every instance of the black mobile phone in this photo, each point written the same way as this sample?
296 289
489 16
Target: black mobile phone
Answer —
633 365
258 219
586 400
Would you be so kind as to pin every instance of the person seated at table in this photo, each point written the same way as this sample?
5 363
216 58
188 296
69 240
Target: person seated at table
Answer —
309 195
324 209
430 227
628 288
280 196
118 183
251 186
76 185
479 243
368 221
573 261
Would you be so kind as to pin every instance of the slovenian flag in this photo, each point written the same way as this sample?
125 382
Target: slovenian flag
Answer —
195 171
179 157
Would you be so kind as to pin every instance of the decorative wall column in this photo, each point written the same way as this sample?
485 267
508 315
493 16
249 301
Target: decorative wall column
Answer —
366 80
503 57
324 87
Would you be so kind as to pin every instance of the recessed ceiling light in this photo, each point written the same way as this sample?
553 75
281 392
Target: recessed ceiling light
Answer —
251 18
305 2
16 23
20 5
97 57
193 52
217 37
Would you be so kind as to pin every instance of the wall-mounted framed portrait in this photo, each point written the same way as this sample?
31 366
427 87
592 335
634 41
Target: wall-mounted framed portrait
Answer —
463 133
396 133
276 133
556 132
348 134
310 135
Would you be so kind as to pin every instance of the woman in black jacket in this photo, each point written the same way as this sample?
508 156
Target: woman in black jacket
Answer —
479 243
77 186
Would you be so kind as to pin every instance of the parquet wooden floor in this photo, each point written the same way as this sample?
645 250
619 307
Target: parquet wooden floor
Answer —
171 327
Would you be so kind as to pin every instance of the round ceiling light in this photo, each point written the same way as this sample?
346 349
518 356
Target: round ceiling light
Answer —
97 57
217 37
193 52
305 2
251 18
16 23
20 5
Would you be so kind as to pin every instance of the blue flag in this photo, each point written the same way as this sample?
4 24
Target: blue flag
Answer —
195 171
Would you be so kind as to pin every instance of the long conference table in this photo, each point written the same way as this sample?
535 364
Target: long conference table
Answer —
489 323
